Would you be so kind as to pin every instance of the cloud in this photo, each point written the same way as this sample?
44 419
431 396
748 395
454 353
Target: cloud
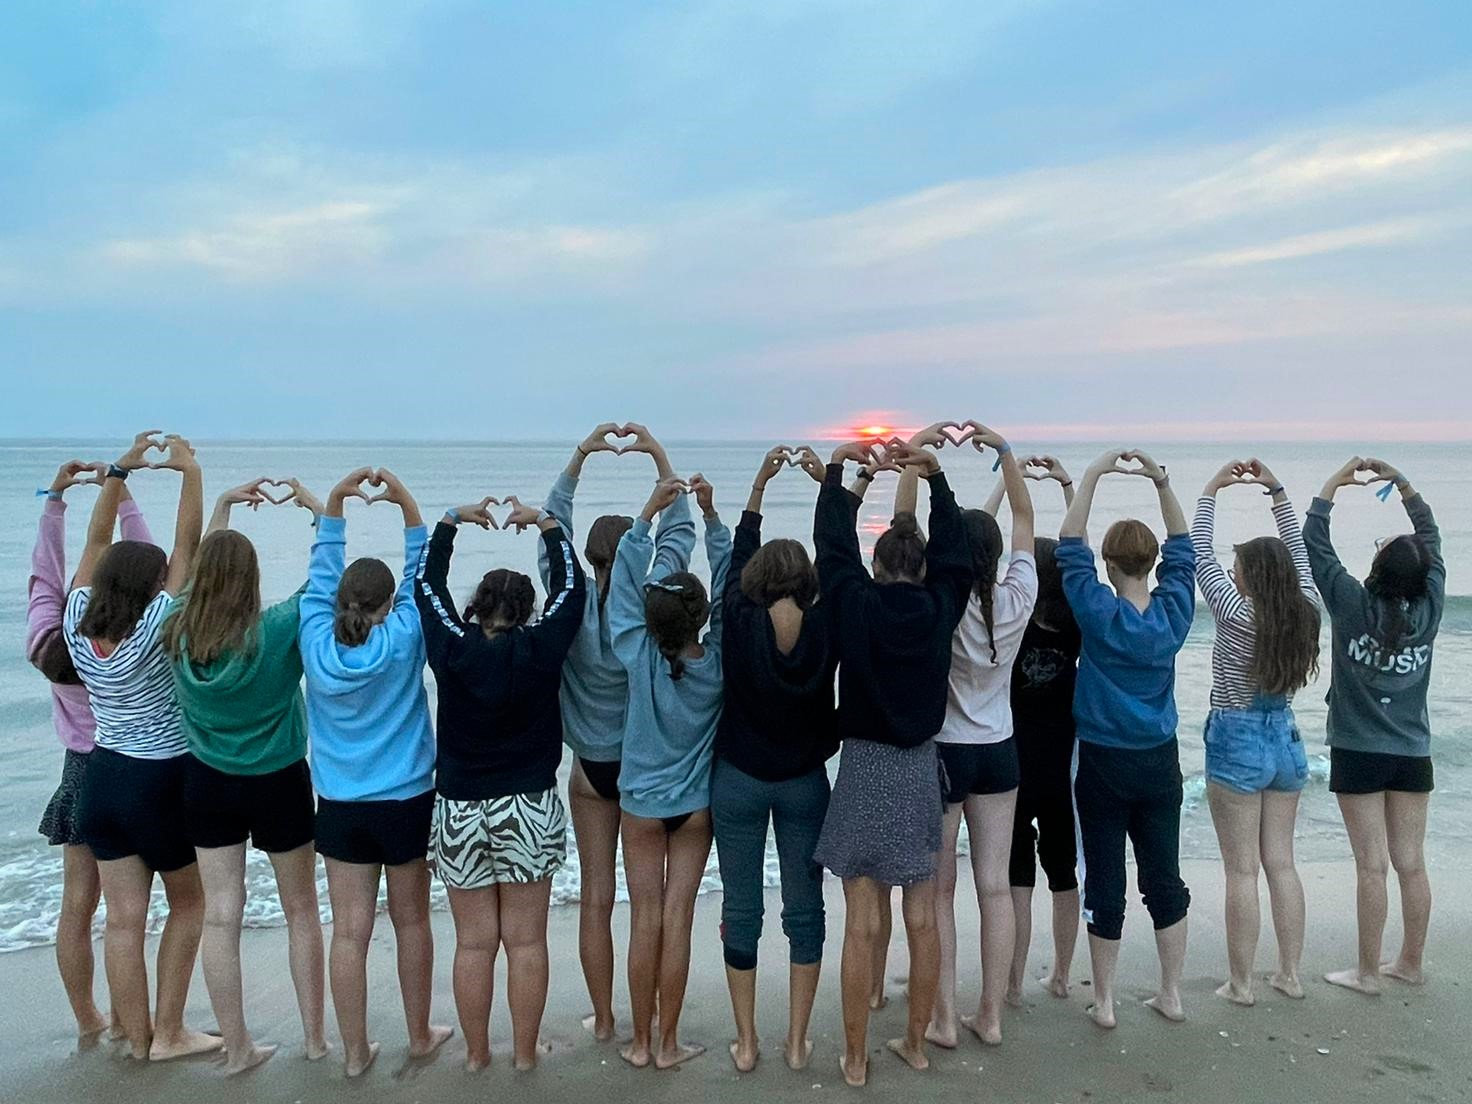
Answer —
1393 231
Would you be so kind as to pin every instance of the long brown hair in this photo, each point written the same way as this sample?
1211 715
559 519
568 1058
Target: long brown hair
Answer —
984 540
601 547
365 588
129 575
221 607
1397 580
1286 654
779 569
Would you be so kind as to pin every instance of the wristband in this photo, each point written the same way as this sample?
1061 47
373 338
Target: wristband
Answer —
1065 483
115 472
542 515
451 517
1383 494
582 452
47 492
1001 452
865 474
1164 478
1271 491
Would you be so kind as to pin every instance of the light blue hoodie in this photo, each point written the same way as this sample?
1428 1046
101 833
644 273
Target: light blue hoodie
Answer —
367 711
670 730
595 687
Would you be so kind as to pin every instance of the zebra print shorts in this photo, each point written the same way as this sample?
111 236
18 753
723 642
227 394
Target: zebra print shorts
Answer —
519 839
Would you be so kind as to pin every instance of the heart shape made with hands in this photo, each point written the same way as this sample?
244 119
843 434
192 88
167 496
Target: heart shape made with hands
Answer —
85 473
272 499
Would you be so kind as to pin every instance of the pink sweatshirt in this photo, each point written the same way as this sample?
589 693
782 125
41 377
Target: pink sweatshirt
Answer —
70 710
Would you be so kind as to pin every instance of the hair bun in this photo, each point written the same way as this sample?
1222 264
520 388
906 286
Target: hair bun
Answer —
905 525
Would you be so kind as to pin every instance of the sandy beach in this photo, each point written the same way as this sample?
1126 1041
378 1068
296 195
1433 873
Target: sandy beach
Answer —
1410 1044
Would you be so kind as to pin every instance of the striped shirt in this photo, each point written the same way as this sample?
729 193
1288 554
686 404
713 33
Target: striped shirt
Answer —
1232 684
132 690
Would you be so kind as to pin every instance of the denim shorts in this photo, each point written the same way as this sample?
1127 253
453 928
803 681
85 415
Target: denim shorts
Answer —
1251 750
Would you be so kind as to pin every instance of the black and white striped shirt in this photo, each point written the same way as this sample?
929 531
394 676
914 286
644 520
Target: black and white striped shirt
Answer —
132 690
1232 684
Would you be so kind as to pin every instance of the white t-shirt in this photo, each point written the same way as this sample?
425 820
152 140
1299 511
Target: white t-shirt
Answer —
132 690
979 705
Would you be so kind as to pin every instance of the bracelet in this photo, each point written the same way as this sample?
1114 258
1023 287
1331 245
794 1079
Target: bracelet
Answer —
1163 480
582 452
1065 483
542 515
1001 452
865 474
451 517
47 492
1274 490
115 472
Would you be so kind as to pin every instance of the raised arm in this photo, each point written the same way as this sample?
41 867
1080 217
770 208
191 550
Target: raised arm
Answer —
631 570
396 492
1170 507
46 589
247 494
443 628
647 443
718 553
550 638
105 510
1221 594
1422 521
1019 500
907 491
835 520
1339 589
1076 520
179 457
772 463
674 539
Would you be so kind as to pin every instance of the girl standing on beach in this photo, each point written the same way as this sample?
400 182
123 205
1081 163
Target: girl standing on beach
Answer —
777 730
978 754
131 809
1127 774
372 758
1384 631
76 728
894 631
1266 647
595 693
237 673
674 704
500 829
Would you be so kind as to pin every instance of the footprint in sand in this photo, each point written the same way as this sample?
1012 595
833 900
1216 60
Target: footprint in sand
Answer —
1403 1065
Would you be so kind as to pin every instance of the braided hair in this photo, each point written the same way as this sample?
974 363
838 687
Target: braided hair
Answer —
984 541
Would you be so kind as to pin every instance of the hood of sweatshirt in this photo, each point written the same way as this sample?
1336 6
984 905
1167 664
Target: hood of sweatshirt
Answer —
335 669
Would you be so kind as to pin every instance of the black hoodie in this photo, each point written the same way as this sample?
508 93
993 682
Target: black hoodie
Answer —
894 639
778 721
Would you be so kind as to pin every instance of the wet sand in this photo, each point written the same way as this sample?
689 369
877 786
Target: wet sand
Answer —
1408 1045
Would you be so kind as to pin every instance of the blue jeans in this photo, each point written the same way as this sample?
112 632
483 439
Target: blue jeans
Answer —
1251 750
740 808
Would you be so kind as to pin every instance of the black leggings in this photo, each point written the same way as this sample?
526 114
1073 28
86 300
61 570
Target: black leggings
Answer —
1121 792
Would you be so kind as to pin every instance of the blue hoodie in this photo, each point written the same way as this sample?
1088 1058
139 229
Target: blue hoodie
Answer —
670 729
1125 697
595 687
367 710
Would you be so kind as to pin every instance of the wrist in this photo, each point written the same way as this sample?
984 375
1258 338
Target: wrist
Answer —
117 471
452 517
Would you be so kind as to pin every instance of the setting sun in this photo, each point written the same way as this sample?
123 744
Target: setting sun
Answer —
875 431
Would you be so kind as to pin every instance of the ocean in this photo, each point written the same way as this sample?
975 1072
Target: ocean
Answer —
444 474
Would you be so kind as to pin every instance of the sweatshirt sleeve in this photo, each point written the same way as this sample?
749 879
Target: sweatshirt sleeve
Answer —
559 505
1290 532
131 523
625 603
947 554
835 536
324 572
1093 603
718 552
674 540
1175 583
1343 594
1216 587
1425 525
552 636
46 590
444 632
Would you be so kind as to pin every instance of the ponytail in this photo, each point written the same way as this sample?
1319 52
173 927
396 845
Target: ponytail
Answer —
675 610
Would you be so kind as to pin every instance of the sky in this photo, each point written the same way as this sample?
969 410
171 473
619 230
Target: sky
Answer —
429 219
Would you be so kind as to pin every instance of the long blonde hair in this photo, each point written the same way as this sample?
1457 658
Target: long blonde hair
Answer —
221 607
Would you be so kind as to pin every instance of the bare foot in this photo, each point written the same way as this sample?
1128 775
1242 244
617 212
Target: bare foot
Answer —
1353 979
990 1034
92 1027
914 1056
854 1080
437 1038
1411 975
1056 985
115 1031
635 1054
355 1065
798 1055
942 1035
1168 1005
877 999
670 1057
255 1056
1102 1014
744 1055
1229 990
314 1050
1013 995
184 1045
475 1063
602 1030
527 1064
1287 984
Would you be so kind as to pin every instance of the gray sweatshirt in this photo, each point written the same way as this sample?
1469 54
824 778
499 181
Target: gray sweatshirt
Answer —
1377 698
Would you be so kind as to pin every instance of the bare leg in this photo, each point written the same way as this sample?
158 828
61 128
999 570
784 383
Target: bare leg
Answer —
1405 822
524 935
802 990
645 842
408 912
1021 944
222 872
126 884
353 891
863 898
1104 959
942 1028
742 984
880 966
81 889
1065 938
177 949
595 824
296 884
689 848
918 905
1364 819
1238 820
477 914
989 824
1170 945
1285 889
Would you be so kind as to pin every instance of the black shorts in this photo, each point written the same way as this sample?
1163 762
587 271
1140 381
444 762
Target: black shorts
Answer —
274 811
603 777
135 807
1367 772
379 833
968 769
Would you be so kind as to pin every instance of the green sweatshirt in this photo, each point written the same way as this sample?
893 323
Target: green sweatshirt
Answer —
243 712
